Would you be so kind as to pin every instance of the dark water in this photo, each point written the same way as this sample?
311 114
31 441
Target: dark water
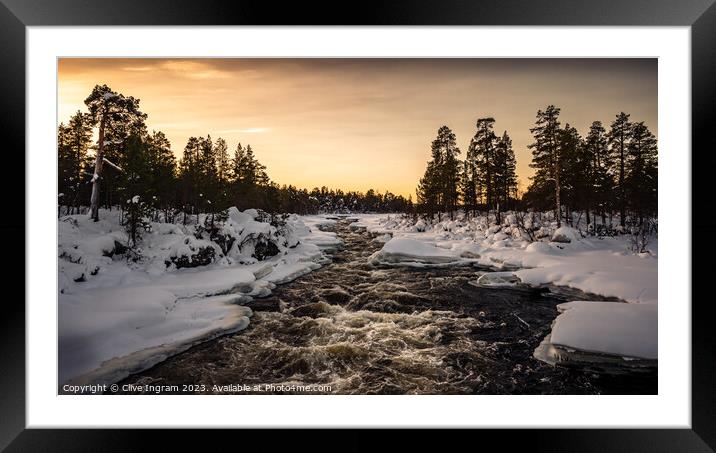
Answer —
366 330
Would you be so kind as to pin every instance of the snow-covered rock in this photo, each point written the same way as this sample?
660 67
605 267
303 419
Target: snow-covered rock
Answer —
565 235
603 333
383 238
412 252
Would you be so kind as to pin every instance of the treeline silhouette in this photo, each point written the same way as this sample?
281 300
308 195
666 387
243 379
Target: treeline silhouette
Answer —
603 175
137 171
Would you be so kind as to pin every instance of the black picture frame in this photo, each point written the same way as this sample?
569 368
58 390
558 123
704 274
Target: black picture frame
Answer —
700 15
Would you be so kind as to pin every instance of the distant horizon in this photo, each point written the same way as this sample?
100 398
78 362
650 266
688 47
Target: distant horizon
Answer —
356 124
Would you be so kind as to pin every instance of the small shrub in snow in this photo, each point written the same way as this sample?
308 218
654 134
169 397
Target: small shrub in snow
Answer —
135 219
639 238
420 226
603 230
528 225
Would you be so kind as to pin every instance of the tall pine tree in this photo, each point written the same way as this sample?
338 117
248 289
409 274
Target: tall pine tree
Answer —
504 176
618 139
117 116
642 171
546 157
602 182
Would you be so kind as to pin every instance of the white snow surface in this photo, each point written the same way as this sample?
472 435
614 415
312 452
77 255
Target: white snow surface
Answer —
614 328
410 251
603 266
117 316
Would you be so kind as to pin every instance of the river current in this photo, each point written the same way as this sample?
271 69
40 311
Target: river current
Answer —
354 328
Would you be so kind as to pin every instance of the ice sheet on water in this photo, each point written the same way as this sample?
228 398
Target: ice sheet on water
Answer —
413 252
498 280
601 333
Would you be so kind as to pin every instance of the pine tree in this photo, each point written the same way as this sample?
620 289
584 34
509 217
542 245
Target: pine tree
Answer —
546 158
189 176
602 184
428 191
208 184
222 160
450 173
65 168
505 178
79 129
223 173
254 171
618 140
642 171
469 183
575 171
114 113
136 170
162 173
135 220
482 152
237 164
250 182
438 189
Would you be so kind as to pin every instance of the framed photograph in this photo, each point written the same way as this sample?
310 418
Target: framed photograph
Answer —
421 216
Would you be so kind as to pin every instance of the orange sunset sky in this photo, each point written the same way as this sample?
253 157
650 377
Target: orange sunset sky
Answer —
357 124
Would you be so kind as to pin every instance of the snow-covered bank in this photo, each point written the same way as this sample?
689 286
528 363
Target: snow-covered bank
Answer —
121 310
608 335
605 266
627 330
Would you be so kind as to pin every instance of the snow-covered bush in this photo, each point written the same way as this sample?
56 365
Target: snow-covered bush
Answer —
213 227
191 252
87 249
639 238
530 226
135 220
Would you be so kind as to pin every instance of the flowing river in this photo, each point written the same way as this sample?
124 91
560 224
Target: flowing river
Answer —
354 328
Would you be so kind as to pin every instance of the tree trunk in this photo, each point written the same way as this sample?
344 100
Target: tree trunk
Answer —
94 200
567 218
78 184
622 193
557 190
